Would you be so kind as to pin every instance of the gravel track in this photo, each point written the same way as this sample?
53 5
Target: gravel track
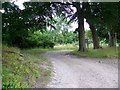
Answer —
70 71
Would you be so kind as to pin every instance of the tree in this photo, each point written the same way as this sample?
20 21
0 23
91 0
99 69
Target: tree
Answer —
81 31
108 14
110 19
102 16
61 33
14 33
90 16
37 15
79 15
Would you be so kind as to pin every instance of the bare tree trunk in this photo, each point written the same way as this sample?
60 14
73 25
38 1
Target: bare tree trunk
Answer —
81 31
82 45
94 36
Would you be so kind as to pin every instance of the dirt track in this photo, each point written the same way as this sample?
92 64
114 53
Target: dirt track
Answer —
73 72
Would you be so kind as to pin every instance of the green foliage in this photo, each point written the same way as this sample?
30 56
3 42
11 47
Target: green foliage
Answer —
108 15
61 33
15 33
16 69
38 39
46 39
26 19
12 80
21 69
29 40
24 32
88 34
65 37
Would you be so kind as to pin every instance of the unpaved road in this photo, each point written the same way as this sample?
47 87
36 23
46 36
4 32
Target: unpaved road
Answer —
73 72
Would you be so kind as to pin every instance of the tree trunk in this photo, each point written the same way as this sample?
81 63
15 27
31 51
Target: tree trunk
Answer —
81 31
111 39
94 36
82 45
90 17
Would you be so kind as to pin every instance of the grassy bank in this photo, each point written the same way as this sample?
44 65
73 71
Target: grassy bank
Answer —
23 68
108 52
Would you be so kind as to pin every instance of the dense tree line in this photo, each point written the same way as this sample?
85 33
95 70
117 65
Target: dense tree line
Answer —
37 16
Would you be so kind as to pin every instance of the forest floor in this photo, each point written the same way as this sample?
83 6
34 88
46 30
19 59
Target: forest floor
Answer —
69 71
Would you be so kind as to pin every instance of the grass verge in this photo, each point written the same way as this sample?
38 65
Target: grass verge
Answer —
23 68
65 47
108 52
45 66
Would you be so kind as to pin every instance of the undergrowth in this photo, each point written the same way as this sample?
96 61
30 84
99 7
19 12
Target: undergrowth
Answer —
22 69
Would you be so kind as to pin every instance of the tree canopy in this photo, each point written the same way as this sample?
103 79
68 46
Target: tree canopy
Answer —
102 18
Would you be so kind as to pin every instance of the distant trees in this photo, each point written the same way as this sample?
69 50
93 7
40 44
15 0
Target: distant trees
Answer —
61 33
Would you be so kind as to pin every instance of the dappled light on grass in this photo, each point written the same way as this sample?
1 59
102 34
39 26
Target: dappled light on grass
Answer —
66 47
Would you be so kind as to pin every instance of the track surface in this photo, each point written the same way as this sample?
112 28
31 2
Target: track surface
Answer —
70 71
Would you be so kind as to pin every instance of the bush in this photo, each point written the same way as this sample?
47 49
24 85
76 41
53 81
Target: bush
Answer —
36 39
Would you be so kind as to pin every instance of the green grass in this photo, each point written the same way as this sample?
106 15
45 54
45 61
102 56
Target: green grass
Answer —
45 66
23 68
108 52
105 52
56 47
65 47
